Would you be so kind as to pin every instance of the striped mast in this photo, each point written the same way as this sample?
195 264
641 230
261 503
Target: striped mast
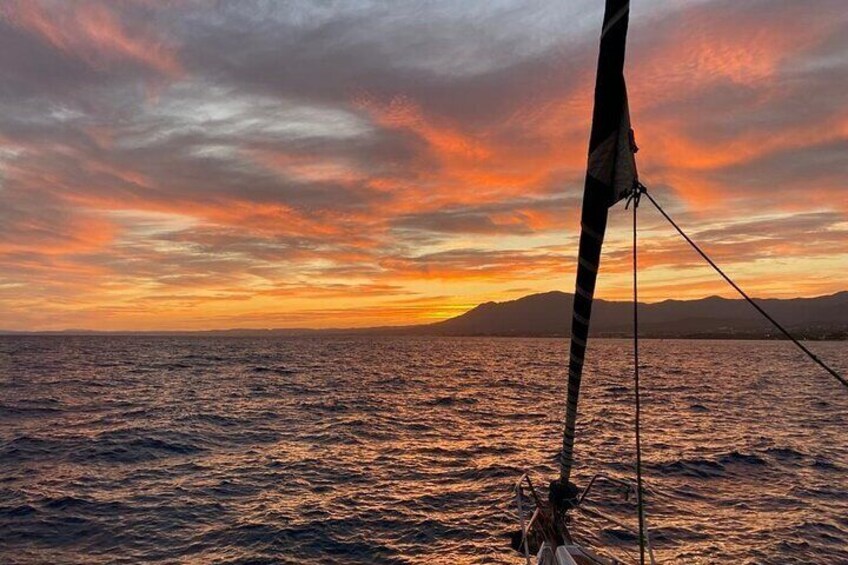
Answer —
610 176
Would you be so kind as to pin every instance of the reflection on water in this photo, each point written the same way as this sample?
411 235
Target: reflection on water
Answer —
404 450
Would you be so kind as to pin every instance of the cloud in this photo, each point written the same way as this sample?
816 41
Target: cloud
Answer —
92 32
186 164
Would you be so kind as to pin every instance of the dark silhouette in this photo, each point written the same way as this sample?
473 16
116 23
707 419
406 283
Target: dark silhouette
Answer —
549 314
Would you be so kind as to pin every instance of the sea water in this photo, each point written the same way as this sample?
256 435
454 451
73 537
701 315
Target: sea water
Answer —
405 450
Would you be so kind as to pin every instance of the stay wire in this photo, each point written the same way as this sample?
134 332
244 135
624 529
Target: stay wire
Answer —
643 190
634 198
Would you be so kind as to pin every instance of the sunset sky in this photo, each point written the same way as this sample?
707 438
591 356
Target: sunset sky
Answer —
201 164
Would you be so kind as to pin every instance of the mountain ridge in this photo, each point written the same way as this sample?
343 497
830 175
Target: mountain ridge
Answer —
548 314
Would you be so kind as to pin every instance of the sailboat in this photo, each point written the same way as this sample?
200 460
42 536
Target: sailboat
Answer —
611 177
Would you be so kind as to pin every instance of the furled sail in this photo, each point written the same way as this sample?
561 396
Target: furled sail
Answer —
610 176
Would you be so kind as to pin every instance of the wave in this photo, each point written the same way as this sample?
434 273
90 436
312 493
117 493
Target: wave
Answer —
23 448
24 411
451 401
707 468
274 370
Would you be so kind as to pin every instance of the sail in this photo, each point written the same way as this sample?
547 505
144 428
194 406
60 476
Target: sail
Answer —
610 176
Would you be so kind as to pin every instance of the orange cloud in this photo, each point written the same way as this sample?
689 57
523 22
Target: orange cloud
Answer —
465 167
92 32
700 50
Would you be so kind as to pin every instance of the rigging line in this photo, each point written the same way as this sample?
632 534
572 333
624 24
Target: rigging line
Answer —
750 301
634 197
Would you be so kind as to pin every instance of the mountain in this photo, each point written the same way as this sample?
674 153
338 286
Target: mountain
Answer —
549 314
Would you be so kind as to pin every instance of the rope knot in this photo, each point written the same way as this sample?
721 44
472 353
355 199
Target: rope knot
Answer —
635 195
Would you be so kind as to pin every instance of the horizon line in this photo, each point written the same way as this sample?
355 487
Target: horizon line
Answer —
387 327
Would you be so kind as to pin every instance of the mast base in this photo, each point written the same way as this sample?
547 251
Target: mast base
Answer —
563 496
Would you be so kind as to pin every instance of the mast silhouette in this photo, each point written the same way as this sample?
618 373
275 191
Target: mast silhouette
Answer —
610 176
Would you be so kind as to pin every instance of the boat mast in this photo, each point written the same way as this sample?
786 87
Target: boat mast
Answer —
610 176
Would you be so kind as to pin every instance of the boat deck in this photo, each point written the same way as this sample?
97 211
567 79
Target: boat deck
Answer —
568 555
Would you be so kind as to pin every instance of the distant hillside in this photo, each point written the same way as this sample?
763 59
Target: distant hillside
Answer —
549 314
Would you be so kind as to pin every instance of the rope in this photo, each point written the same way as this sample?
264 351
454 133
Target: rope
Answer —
635 197
750 301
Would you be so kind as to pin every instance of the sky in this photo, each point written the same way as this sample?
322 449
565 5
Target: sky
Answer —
169 164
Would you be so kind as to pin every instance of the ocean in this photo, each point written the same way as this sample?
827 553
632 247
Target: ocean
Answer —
405 450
